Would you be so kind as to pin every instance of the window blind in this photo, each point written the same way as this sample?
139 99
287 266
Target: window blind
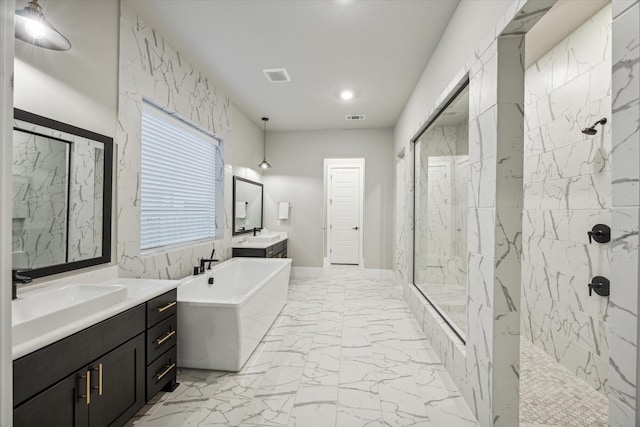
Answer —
178 181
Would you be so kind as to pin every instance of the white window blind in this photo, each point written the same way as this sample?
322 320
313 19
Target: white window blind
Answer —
178 181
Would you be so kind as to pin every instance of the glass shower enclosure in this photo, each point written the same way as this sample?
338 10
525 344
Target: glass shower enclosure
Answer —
440 220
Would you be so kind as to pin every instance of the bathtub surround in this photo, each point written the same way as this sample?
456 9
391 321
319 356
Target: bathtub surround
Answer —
567 190
151 69
624 371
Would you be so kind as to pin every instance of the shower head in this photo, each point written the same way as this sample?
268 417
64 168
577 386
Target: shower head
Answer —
592 130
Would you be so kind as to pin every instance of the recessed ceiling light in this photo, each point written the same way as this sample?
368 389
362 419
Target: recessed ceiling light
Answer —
346 95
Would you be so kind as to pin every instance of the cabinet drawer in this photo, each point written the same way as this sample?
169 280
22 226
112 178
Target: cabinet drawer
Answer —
162 307
248 252
279 247
161 337
161 372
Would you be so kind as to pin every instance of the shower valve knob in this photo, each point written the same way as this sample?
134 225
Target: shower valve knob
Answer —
601 233
600 285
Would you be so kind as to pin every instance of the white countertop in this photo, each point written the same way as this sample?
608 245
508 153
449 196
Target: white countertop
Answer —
138 292
258 245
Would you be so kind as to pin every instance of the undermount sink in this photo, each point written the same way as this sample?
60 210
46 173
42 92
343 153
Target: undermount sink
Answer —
37 312
264 238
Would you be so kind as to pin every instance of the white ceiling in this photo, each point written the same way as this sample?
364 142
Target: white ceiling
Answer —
378 49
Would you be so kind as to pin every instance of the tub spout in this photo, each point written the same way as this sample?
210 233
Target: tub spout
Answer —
203 261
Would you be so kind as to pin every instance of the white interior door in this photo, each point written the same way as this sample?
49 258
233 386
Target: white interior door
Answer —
345 215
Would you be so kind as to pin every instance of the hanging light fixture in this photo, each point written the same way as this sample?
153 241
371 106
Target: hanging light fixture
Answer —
264 164
32 27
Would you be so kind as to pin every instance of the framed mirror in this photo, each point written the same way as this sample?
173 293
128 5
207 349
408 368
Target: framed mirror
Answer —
61 218
247 205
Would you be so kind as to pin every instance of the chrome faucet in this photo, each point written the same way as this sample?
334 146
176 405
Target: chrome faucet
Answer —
17 278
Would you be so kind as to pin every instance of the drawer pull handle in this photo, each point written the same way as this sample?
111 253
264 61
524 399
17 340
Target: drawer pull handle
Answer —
165 372
166 307
99 387
87 379
164 339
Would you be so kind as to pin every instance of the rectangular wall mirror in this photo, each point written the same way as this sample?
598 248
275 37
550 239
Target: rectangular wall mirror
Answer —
61 218
247 205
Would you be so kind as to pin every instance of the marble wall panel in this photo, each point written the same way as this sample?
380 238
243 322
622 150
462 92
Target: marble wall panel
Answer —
567 190
625 212
40 183
441 205
86 191
152 70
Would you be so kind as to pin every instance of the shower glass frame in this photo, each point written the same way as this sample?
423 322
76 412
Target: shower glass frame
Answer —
430 124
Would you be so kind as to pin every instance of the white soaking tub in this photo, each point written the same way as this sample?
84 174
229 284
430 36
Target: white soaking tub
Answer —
220 325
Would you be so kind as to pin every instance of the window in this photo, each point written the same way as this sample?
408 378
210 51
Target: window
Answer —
181 181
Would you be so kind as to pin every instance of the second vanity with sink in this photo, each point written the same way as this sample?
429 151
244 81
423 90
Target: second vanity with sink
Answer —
266 245
92 354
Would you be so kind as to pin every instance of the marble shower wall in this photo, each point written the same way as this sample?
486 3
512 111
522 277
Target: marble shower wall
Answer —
151 69
86 195
625 213
40 182
441 206
567 190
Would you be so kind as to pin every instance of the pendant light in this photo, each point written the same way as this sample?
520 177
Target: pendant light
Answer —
264 164
32 27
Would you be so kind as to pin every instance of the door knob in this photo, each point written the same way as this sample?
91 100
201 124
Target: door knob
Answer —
355 228
601 233
600 285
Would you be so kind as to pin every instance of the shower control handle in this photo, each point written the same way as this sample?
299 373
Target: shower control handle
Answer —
600 285
601 233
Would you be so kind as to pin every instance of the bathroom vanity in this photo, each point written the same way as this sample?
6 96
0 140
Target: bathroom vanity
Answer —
276 247
103 373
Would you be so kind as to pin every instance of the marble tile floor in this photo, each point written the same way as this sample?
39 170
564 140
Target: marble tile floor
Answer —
345 351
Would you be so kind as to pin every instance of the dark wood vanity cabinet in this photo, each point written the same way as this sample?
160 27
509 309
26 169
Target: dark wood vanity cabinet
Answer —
162 329
277 250
92 378
101 375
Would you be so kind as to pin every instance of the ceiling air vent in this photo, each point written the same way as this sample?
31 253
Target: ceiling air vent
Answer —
356 117
277 75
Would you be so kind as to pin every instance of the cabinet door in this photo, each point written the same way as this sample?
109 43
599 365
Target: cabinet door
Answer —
63 405
119 394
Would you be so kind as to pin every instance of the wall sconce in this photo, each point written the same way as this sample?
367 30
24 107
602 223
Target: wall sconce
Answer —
32 27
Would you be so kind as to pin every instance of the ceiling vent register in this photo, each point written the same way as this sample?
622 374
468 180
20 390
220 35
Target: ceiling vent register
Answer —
356 117
277 75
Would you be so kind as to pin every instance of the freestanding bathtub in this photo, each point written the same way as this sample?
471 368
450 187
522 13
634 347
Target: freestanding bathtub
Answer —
220 325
